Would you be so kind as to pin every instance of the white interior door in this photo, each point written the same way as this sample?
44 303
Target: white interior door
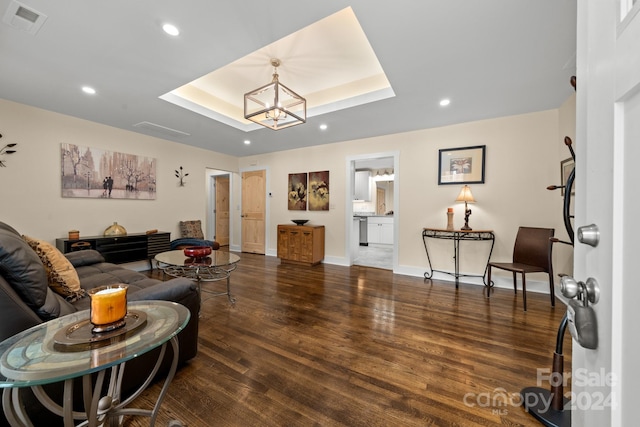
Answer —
607 135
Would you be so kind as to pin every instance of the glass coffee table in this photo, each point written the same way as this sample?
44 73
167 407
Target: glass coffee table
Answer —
214 267
63 349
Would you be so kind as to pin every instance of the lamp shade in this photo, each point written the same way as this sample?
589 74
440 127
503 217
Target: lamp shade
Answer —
465 195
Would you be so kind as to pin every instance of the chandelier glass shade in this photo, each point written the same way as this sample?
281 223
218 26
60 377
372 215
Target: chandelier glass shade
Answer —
274 105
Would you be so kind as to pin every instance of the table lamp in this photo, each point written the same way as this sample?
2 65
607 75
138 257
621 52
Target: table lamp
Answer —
466 197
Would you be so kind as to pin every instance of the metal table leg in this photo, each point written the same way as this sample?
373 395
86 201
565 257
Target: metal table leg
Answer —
106 410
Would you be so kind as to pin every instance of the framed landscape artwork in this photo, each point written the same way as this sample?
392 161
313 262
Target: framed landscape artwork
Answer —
101 174
464 165
318 191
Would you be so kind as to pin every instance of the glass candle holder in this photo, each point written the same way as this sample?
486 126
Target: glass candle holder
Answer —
108 307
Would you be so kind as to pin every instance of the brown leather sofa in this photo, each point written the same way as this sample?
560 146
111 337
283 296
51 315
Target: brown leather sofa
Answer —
26 299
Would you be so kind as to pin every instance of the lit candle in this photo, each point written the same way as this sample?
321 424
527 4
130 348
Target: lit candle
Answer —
108 305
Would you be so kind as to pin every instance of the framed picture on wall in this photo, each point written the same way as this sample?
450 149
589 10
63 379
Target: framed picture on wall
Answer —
102 174
566 166
463 165
297 192
318 191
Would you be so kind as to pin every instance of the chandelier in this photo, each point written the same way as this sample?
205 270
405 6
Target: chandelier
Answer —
274 105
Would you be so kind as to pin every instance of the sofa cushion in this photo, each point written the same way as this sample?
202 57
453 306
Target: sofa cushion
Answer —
84 257
104 273
61 275
22 269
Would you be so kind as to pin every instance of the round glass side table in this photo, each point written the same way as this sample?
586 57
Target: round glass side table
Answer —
55 351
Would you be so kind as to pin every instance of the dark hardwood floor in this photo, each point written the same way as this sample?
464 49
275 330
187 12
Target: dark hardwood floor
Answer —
339 346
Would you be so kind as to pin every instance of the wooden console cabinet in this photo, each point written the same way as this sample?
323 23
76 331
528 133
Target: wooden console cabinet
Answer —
120 249
301 244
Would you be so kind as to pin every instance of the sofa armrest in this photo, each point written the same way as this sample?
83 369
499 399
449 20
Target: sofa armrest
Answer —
16 315
85 257
185 292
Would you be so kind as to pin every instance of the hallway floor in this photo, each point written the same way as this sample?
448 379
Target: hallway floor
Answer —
379 256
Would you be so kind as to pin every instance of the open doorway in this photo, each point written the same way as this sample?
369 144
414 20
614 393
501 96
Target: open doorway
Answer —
372 210
218 207
221 209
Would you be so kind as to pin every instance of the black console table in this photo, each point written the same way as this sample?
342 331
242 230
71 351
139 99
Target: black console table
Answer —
457 236
120 249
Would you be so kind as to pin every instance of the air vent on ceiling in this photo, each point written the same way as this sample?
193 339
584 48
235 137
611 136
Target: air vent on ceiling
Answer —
161 130
23 17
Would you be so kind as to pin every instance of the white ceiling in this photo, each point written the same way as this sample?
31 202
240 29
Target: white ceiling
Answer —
492 58
356 77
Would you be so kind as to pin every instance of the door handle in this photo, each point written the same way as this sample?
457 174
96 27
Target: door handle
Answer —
588 292
581 317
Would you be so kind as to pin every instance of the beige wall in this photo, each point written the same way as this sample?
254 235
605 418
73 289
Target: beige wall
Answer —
30 194
523 158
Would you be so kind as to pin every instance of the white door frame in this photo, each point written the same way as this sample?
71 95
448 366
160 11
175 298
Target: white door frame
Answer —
349 233
210 227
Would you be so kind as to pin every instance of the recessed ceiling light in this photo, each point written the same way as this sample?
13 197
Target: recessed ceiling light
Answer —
88 90
445 102
171 29
323 127
247 142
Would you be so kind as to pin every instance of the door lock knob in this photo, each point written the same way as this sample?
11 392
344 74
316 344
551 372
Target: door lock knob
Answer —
589 235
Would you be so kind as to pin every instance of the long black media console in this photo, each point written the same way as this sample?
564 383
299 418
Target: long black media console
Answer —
120 249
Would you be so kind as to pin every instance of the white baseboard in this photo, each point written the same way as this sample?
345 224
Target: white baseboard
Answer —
336 261
503 282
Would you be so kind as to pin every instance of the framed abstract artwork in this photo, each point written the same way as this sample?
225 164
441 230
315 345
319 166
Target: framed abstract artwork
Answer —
318 194
297 192
464 165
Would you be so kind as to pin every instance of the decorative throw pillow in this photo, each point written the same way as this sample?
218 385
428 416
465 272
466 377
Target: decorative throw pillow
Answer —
191 229
63 278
